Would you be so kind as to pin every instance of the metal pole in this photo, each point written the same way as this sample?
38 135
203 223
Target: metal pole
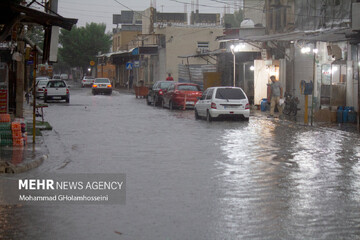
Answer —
34 95
306 120
234 69
312 97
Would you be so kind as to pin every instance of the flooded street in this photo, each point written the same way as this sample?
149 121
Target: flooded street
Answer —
188 179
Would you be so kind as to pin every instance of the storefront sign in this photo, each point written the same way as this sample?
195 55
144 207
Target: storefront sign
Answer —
3 101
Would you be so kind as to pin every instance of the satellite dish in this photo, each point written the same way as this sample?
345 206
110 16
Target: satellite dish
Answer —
247 23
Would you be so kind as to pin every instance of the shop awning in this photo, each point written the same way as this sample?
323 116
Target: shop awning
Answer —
11 13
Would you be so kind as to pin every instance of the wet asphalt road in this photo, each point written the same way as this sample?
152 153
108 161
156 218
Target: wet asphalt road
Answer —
187 179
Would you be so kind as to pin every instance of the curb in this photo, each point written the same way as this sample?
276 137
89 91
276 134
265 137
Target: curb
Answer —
7 167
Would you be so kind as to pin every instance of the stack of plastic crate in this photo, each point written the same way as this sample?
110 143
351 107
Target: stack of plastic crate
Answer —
17 136
5 130
23 124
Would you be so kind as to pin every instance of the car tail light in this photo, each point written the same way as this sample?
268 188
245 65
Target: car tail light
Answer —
109 86
213 105
45 90
84 81
40 89
67 91
161 92
247 106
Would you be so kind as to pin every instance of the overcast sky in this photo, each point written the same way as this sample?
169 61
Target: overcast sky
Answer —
87 11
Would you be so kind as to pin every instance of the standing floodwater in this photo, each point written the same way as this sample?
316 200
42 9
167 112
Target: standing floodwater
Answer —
187 179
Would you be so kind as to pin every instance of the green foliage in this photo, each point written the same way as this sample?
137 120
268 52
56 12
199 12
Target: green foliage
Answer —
234 20
81 45
36 34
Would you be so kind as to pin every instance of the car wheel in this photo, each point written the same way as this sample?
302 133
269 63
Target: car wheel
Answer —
162 104
208 117
67 99
197 117
246 119
155 101
147 100
45 100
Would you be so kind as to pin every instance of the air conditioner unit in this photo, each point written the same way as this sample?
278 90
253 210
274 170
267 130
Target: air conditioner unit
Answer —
202 50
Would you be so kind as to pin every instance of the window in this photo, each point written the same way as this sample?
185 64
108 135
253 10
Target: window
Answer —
229 93
171 87
209 94
204 95
188 88
164 85
203 44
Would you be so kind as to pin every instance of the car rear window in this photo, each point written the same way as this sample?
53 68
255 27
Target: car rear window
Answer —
102 80
229 93
56 84
164 85
188 88
42 82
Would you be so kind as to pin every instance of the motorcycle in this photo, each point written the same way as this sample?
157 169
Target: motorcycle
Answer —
291 103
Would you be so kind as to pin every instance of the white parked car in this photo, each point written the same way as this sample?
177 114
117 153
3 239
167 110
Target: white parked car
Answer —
57 90
223 102
64 76
40 87
87 81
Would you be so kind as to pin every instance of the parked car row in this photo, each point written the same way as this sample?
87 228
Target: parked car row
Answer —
214 103
52 89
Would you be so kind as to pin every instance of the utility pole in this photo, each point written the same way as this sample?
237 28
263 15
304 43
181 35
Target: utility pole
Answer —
20 76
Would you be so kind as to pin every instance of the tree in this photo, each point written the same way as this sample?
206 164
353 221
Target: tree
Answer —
81 45
233 20
36 34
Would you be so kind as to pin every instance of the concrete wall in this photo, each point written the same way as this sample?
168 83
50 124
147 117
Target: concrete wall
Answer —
182 41
254 11
121 40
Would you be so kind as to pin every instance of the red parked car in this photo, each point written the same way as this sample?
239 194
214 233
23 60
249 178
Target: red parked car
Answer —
181 95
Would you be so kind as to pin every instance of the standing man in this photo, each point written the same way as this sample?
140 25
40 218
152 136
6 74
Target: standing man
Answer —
276 92
169 78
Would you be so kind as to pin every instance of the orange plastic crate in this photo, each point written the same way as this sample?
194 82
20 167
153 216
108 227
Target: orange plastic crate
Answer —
16 134
18 142
15 126
5 117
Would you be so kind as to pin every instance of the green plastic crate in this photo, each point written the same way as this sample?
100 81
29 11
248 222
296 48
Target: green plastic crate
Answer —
5 126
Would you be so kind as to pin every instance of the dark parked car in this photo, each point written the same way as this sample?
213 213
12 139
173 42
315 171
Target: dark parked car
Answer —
181 95
156 92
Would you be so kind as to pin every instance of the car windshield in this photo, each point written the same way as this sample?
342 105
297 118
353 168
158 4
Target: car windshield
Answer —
102 80
229 93
56 84
164 85
188 87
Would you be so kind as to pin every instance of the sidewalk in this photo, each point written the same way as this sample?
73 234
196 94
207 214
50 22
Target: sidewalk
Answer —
20 159
299 119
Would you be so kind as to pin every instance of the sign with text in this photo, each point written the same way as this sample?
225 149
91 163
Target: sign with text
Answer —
64 188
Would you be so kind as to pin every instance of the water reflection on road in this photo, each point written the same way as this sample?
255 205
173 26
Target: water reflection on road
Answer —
188 179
